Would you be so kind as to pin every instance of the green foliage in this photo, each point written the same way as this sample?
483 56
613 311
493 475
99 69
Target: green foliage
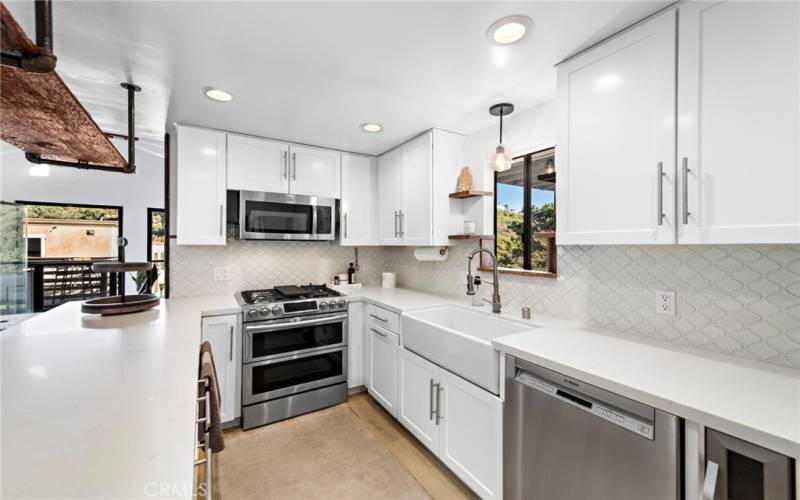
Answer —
11 241
71 213
157 225
510 228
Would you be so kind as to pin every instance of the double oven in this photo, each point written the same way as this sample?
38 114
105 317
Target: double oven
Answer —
293 365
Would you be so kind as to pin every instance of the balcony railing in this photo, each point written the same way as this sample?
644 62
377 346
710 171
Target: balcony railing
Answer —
57 281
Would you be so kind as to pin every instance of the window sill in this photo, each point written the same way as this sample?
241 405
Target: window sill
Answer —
520 272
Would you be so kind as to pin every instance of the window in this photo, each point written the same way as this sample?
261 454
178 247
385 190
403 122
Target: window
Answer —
155 245
35 246
525 214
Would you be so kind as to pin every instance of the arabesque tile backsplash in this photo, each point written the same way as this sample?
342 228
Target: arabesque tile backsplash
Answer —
735 299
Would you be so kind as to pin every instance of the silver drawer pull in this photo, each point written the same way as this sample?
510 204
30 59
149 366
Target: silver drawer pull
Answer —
380 333
378 318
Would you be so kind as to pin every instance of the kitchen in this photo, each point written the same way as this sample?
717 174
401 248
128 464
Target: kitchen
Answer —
567 266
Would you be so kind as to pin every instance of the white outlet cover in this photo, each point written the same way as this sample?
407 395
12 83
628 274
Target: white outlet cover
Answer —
665 302
222 274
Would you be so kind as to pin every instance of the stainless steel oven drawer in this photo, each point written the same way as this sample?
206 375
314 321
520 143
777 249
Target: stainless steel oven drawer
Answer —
290 406
275 378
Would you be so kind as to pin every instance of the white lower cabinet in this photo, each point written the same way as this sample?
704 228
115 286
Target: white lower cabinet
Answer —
221 333
382 366
355 344
459 422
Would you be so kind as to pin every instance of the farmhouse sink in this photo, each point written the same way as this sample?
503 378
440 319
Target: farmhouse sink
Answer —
460 340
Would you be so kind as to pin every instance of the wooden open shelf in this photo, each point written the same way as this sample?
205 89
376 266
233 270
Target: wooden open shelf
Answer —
471 237
470 194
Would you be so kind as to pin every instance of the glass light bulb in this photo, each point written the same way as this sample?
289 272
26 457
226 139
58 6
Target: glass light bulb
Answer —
501 161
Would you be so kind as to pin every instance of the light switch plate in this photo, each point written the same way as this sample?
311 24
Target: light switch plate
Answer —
665 302
222 274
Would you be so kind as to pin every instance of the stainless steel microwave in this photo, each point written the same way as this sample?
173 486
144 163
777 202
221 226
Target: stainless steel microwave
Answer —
280 216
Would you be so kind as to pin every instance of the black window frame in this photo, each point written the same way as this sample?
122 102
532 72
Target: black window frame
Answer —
527 219
150 212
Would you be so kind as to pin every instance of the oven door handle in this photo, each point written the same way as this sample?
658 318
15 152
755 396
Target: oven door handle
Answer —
290 324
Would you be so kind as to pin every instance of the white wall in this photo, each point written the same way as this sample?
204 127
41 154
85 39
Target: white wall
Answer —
134 192
523 132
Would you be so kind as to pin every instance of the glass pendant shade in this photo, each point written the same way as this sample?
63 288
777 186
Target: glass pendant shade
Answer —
501 160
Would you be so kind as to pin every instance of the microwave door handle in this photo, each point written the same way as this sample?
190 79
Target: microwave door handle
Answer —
314 221
710 481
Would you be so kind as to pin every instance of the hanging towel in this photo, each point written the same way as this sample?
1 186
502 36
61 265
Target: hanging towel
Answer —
208 371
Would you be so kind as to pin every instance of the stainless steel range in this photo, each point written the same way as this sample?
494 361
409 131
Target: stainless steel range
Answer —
294 352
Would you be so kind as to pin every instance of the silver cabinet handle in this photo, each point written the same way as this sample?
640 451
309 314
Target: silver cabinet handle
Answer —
220 220
710 481
230 352
285 164
439 390
402 223
685 193
660 209
396 231
345 225
378 318
294 166
430 400
380 333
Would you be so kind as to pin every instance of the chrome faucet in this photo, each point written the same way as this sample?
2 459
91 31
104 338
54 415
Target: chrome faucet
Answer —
495 281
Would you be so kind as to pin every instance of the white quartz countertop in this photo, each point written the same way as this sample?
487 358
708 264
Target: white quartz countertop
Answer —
753 401
102 407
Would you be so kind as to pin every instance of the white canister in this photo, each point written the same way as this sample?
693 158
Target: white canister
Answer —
388 280
469 227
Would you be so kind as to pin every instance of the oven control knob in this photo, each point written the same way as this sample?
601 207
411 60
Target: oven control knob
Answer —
332 304
323 305
252 313
342 303
265 312
276 310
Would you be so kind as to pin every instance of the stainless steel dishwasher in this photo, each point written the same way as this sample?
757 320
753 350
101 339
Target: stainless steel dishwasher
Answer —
565 439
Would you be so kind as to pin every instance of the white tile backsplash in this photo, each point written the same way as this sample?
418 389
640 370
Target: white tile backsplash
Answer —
740 300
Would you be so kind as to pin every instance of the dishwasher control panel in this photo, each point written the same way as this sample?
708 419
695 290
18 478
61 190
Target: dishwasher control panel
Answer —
588 404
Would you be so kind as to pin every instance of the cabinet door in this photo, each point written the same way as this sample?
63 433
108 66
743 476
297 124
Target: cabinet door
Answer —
615 127
257 164
419 382
416 220
220 331
315 172
355 344
472 434
390 196
383 367
739 122
358 200
200 183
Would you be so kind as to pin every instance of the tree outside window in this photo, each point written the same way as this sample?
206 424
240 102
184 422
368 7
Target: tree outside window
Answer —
525 217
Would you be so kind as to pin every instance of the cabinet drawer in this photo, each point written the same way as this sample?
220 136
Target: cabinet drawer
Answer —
383 318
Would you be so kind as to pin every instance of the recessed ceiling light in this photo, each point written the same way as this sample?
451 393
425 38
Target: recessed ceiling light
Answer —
371 127
508 30
218 95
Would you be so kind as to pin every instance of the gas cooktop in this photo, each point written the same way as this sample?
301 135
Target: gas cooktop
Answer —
289 300
288 292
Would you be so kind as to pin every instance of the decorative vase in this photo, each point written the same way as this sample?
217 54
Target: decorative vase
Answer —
464 180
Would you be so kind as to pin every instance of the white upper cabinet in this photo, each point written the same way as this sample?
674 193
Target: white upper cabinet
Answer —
390 196
257 164
739 122
315 171
414 181
199 159
616 139
416 217
357 216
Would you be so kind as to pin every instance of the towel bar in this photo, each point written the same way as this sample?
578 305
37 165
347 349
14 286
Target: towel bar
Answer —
205 400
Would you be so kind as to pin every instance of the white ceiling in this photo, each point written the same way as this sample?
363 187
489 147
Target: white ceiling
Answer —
312 72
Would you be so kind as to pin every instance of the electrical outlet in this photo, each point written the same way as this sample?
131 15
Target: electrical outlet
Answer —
222 274
665 302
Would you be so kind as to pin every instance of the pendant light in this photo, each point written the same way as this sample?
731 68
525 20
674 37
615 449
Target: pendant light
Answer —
501 159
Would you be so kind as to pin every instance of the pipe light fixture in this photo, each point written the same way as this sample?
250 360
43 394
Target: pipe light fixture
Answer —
501 159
